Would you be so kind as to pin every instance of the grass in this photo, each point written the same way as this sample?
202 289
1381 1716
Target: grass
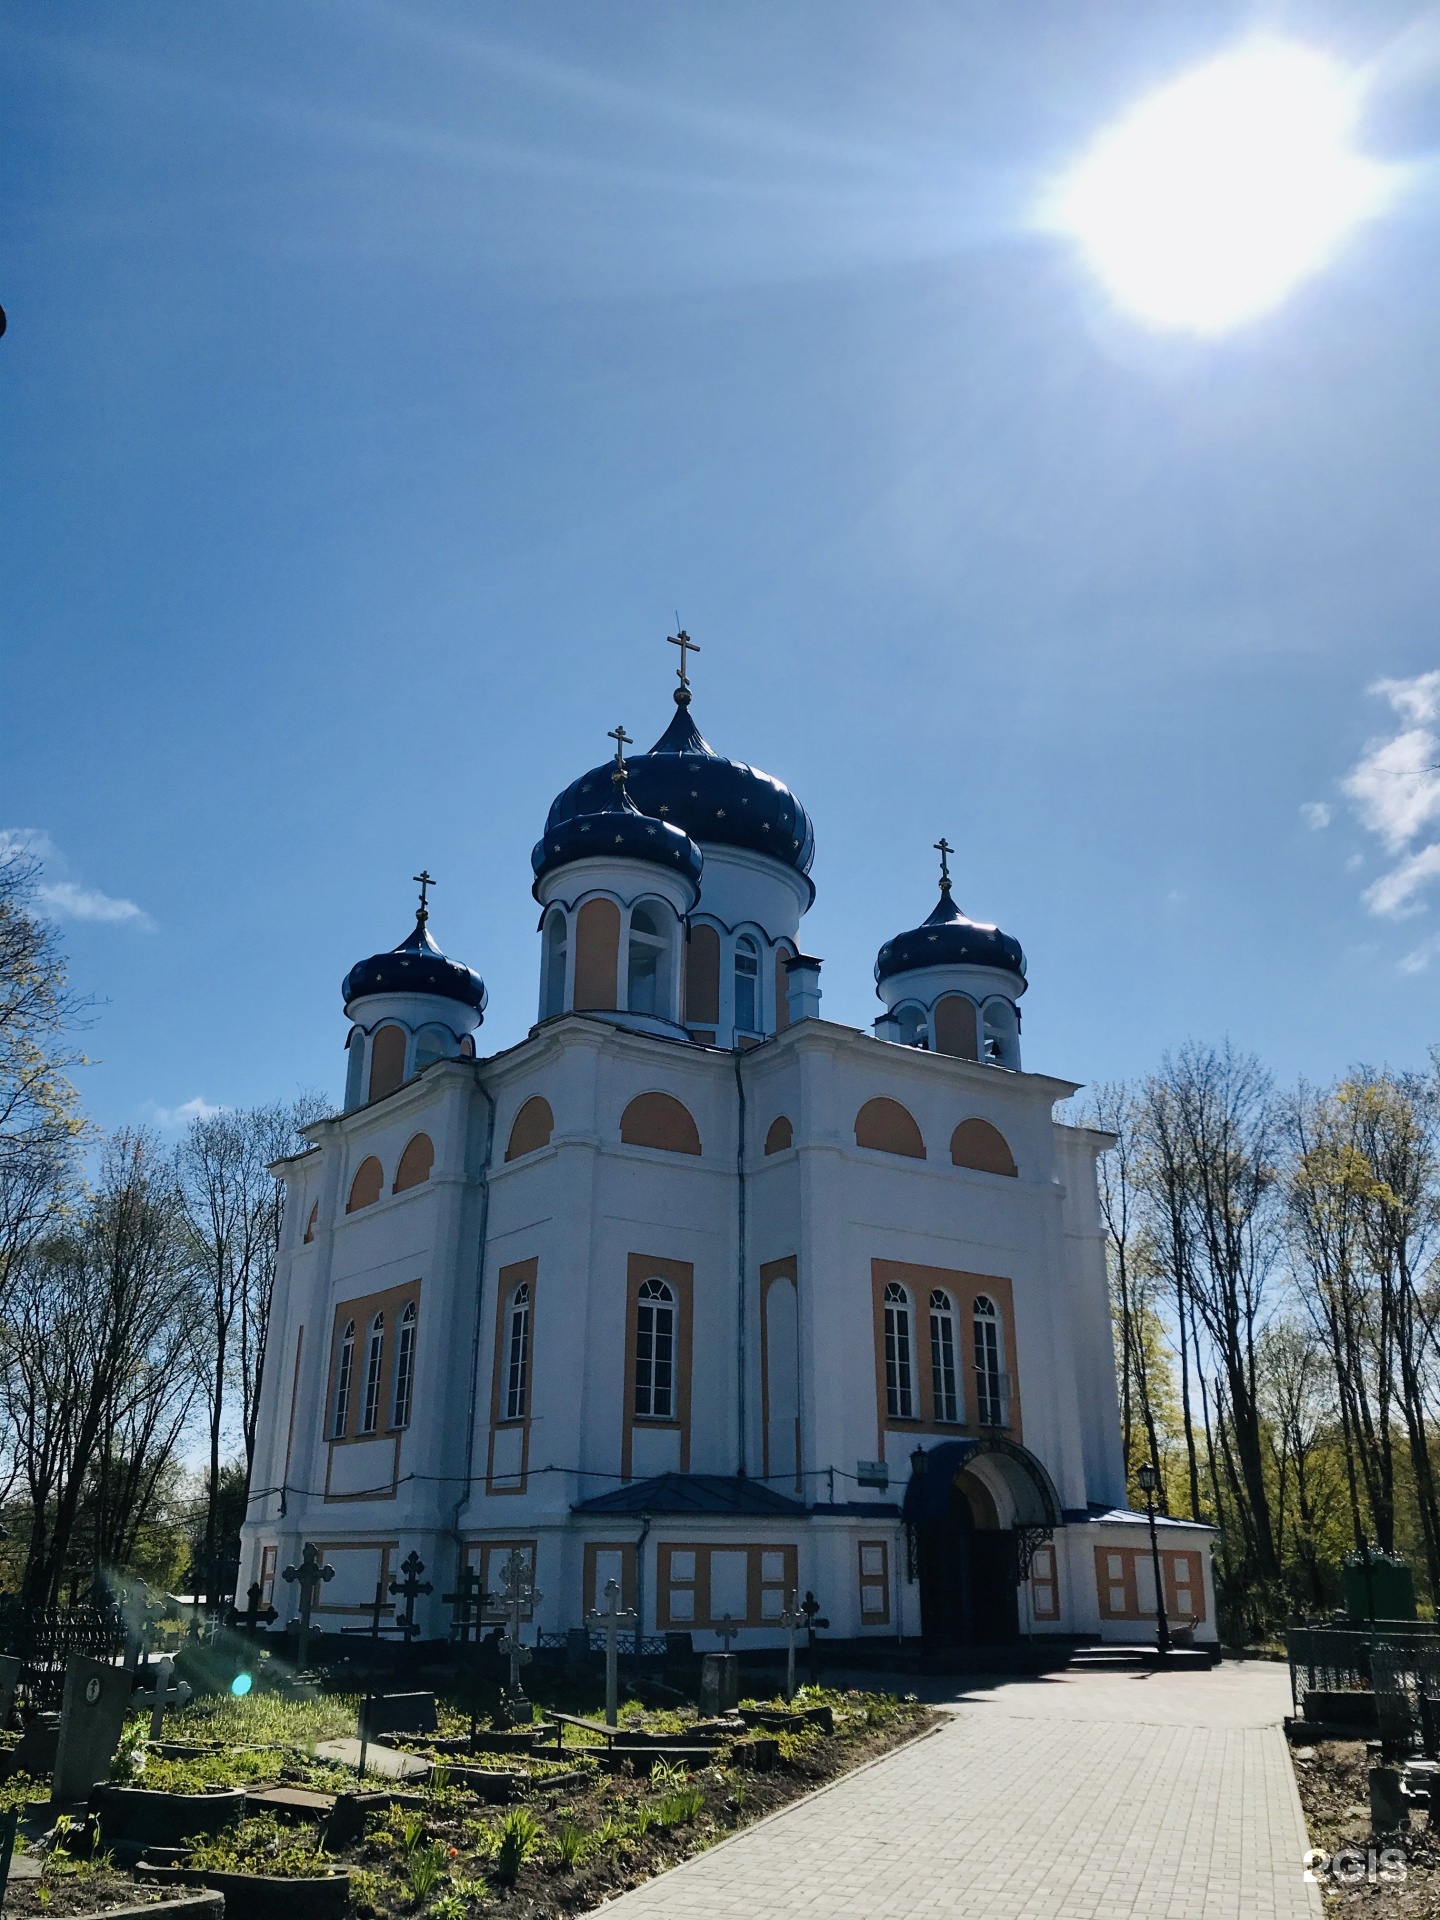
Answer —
517 1837
263 1845
260 1718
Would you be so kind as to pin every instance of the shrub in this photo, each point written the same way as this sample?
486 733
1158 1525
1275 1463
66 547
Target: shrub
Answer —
570 1842
426 1869
518 1836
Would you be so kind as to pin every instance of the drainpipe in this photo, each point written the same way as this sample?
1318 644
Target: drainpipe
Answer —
740 1257
475 1342
640 1583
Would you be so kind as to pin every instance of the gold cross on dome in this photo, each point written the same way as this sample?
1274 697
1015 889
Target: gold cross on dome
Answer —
944 849
622 740
686 645
425 880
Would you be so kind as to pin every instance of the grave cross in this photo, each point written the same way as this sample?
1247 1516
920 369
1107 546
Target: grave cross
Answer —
518 1595
611 1617
410 1589
309 1575
165 1695
791 1620
465 1605
810 1607
728 1630
254 1616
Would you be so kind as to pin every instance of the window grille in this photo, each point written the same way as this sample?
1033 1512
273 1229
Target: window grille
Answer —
655 1352
517 1364
404 1368
899 1372
942 1357
345 1367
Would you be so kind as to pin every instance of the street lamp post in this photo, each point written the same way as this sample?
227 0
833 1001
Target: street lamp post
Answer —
1149 1480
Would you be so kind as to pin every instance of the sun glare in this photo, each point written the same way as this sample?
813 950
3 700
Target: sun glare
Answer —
1211 199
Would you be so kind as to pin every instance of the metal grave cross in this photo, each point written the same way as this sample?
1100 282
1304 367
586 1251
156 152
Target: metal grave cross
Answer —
810 1607
792 1619
612 1617
255 1616
167 1692
309 1575
728 1630
465 1605
686 645
410 1589
518 1593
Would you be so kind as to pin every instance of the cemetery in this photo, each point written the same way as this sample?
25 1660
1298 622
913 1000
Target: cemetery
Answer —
258 1773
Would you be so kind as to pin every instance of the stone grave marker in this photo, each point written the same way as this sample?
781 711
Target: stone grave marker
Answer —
92 1717
611 1617
383 1713
719 1683
165 1692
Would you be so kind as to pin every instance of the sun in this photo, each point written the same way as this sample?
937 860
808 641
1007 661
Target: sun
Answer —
1210 200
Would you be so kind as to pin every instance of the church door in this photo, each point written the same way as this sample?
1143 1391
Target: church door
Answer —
968 1572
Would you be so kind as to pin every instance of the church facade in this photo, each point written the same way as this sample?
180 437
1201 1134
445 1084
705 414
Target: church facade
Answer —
694 1289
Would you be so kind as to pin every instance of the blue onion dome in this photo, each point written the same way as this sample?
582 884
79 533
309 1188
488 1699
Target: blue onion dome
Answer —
684 782
948 939
612 827
416 966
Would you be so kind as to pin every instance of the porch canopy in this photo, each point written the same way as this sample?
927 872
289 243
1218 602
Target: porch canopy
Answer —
933 1471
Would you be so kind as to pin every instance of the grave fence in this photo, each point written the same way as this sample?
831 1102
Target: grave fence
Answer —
43 1639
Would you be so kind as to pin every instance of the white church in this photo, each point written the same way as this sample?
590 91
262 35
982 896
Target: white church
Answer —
694 1289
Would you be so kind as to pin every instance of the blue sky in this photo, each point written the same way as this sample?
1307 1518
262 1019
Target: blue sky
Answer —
382 378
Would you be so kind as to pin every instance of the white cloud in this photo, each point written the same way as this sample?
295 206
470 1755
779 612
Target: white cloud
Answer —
1418 960
1316 815
63 899
171 1119
66 901
1394 789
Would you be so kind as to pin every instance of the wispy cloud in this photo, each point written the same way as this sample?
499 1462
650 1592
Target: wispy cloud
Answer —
1394 789
1419 958
63 899
172 1119
1317 815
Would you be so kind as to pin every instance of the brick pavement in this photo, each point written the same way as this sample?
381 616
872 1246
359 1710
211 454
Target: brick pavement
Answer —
1075 1797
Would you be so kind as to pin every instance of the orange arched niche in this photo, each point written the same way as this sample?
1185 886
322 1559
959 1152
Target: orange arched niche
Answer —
659 1120
978 1145
365 1187
415 1163
887 1127
534 1124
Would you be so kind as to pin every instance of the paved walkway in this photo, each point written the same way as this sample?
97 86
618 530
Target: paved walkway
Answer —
1086 1796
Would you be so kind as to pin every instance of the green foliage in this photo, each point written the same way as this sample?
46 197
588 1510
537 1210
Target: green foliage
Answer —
21 1791
259 1718
262 1845
666 1776
678 1809
571 1842
611 1833
460 1899
412 1831
519 1834
426 1869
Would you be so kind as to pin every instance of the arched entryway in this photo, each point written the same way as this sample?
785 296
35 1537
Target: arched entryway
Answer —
973 1507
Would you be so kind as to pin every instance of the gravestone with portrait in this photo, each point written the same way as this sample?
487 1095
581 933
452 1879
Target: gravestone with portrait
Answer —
92 1717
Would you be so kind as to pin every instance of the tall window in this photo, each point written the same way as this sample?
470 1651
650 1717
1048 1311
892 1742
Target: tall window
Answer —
747 987
404 1369
355 1067
344 1372
517 1354
655 1352
374 1355
647 961
942 1356
555 950
899 1369
989 1375
432 1044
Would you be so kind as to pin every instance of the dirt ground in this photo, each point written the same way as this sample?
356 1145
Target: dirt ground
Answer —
1391 1876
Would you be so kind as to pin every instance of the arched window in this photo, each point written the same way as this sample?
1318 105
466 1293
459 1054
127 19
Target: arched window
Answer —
942 1357
899 1367
415 1163
983 1148
649 990
517 1354
747 986
557 947
955 1026
404 1394
659 1120
1002 1034
374 1356
365 1187
432 1044
780 1136
355 1068
344 1373
910 1026
886 1127
655 1352
597 956
702 976
387 1061
312 1222
534 1124
989 1365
